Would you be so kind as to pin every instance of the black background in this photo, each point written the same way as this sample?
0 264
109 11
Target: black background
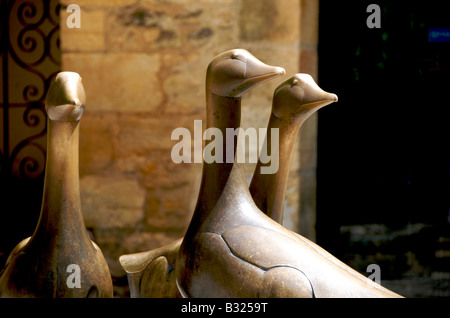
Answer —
383 148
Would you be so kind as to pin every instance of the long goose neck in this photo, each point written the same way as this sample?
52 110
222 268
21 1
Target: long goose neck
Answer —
222 113
268 189
61 206
218 178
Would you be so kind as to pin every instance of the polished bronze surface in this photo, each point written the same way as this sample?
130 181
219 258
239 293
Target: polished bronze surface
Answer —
231 248
293 102
42 265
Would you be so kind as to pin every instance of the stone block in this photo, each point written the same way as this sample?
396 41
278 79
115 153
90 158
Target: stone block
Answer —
309 25
111 201
150 26
308 62
185 91
96 143
139 138
97 3
140 28
175 208
89 37
159 171
268 20
118 82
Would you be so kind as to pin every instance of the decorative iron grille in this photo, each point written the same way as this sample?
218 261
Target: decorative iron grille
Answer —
30 58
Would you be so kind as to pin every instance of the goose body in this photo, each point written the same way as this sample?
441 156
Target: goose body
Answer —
41 265
231 248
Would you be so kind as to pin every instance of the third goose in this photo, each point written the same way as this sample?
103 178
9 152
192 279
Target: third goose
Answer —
40 265
289 112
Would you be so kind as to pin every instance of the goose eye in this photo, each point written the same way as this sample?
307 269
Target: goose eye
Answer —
294 82
235 56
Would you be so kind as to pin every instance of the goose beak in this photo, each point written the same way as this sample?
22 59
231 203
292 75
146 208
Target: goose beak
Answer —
65 99
333 98
326 99
257 73
315 96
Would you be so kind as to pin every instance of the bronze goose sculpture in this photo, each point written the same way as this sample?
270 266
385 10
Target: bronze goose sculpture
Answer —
232 249
41 265
289 112
151 274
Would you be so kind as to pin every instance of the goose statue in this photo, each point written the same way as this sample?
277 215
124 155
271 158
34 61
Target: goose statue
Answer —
151 274
289 112
59 260
231 248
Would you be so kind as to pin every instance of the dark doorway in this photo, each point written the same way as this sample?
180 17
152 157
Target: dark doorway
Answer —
383 160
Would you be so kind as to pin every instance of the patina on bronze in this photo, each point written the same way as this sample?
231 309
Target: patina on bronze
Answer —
152 274
39 265
231 248
289 112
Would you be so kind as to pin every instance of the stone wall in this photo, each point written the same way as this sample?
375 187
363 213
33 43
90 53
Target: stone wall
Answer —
143 65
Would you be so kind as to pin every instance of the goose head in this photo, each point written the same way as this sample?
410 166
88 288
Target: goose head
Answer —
235 72
65 99
299 95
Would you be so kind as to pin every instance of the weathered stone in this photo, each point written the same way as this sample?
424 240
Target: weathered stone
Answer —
140 136
141 29
268 20
175 208
309 22
110 201
90 37
116 81
97 3
149 26
185 91
159 170
308 61
96 146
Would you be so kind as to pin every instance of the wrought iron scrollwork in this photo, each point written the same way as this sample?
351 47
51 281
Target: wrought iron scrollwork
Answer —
30 58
